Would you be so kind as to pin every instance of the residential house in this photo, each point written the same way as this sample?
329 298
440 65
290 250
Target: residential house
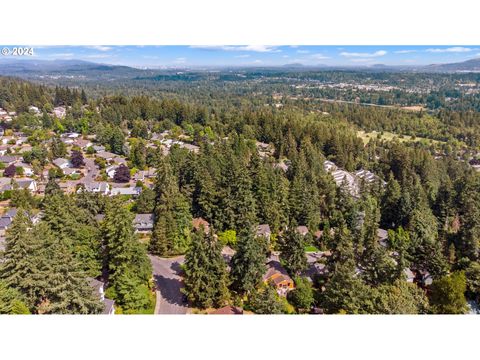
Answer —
34 109
382 236
61 163
82 143
97 187
27 169
107 156
9 159
3 150
143 222
131 191
263 230
368 177
60 112
278 276
110 170
98 148
98 290
6 220
302 230
28 184
192 148
410 276
119 160
197 223
264 149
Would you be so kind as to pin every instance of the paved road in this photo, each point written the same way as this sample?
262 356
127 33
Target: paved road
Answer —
166 272
92 171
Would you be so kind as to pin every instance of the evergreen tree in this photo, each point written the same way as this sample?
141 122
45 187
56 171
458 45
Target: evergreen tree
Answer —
266 301
206 278
293 251
302 296
390 203
172 215
11 301
447 294
146 201
67 290
248 263
126 265
21 268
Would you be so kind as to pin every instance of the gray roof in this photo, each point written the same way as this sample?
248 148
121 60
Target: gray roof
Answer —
5 223
144 221
263 230
95 284
108 306
106 155
60 161
125 191
7 159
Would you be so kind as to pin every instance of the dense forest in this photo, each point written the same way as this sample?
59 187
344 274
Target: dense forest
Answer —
426 196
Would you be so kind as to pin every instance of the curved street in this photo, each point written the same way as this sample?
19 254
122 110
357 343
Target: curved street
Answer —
166 272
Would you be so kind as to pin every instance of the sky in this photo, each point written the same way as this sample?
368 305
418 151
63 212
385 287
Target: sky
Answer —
258 55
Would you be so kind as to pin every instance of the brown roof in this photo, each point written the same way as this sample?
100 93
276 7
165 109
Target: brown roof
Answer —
198 222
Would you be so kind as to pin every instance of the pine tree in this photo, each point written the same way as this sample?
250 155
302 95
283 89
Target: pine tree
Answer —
52 187
266 301
22 261
206 278
67 291
172 215
126 265
293 251
11 301
390 203
248 263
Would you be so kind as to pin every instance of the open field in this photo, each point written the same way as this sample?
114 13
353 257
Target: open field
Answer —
389 136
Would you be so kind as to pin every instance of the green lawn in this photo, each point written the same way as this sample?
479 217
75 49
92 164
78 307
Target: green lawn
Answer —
310 248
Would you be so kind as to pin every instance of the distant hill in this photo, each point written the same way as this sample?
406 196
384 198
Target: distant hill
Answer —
65 68
472 65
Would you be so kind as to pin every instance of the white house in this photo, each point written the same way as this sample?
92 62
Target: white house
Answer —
61 163
98 290
110 170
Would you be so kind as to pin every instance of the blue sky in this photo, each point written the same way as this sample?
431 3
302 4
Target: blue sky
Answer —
259 55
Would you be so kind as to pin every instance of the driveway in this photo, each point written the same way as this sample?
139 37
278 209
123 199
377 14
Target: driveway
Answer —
166 272
92 171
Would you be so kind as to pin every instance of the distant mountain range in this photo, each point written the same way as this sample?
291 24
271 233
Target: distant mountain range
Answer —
53 69
472 65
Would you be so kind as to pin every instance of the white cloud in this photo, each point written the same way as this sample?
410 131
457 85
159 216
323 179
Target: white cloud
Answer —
455 49
303 51
361 60
62 55
100 47
285 56
257 61
405 51
98 56
364 55
242 56
319 57
180 60
254 48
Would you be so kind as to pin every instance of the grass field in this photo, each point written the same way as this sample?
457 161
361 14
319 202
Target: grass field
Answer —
388 136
